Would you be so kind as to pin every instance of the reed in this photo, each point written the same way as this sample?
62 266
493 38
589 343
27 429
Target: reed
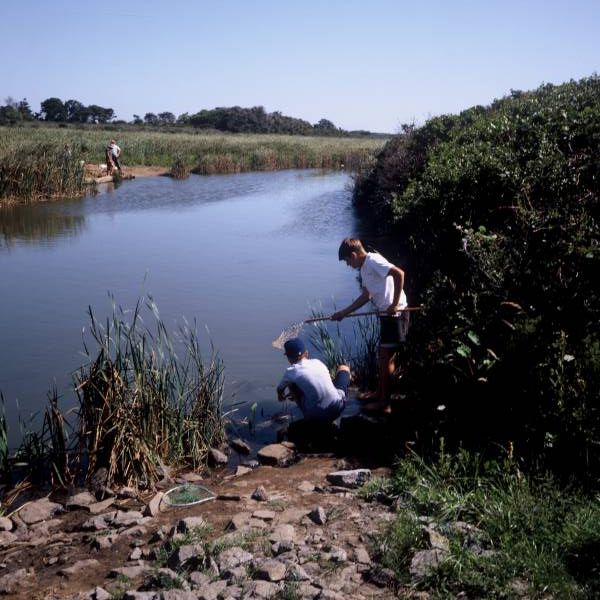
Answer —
205 153
32 172
179 169
140 404
358 350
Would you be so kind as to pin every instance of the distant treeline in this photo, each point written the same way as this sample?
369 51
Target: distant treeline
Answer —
234 119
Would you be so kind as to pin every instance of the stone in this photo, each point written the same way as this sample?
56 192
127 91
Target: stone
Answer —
260 494
276 455
101 594
241 470
265 515
7 538
240 446
187 556
349 479
124 518
153 507
191 477
425 561
188 524
80 500
98 523
297 573
306 486
317 515
269 570
81 566
179 595
283 533
136 554
99 507
217 458
39 510
211 591
338 555
381 577
361 555
260 589
131 595
132 572
239 521
436 539
199 579
15 581
233 557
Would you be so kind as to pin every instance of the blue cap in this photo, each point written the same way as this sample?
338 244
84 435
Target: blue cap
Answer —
294 348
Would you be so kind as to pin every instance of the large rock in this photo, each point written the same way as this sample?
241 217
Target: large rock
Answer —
276 455
39 510
349 479
425 561
217 458
233 557
15 581
240 446
81 566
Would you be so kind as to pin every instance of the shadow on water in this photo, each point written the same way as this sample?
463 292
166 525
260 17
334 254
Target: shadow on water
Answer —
34 224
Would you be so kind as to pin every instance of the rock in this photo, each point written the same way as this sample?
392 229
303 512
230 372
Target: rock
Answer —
127 492
283 533
239 521
15 581
81 566
251 464
141 596
436 539
233 557
306 486
260 494
101 594
199 579
104 541
81 500
260 589
130 572
6 524
187 556
136 554
153 507
100 507
7 538
362 556
191 477
98 523
297 573
127 518
381 577
188 524
217 458
269 570
349 479
211 591
39 510
264 515
276 455
317 515
337 555
425 561
229 497
240 446
241 470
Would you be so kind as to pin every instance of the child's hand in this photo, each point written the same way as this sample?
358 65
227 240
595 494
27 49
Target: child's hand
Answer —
338 316
393 309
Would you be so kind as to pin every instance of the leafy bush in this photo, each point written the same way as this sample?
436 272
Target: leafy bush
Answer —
497 209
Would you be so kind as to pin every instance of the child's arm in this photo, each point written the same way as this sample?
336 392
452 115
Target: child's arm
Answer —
360 301
397 274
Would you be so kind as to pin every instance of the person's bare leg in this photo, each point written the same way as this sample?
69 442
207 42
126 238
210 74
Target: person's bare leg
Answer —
386 368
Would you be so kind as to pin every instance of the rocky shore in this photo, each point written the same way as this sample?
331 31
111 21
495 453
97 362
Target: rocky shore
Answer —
293 527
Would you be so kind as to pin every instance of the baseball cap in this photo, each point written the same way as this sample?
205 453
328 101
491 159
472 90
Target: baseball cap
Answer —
294 347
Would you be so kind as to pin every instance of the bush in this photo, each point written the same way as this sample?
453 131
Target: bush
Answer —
498 211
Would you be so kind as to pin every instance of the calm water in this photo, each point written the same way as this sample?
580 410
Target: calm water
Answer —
245 255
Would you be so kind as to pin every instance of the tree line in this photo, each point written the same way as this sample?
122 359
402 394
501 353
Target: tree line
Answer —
234 119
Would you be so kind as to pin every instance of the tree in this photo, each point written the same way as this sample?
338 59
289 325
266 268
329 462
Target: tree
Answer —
150 119
137 120
76 111
15 112
326 125
183 119
99 114
53 109
166 118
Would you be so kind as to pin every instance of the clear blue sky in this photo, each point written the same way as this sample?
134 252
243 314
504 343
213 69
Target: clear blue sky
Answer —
368 64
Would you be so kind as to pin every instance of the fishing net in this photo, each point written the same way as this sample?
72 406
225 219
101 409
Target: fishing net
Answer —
287 334
187 494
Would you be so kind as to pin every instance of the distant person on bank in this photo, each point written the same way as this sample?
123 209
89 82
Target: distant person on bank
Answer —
308 383
113 152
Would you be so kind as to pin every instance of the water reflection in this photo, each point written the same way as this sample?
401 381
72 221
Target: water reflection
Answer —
37 224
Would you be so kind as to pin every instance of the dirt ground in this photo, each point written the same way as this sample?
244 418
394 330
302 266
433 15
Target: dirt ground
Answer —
68 544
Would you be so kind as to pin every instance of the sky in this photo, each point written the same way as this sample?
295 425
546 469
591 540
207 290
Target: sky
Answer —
363 64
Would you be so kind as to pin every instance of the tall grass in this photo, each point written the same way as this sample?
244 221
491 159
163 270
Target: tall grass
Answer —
358 350
31 171
25 163
524 530
140 404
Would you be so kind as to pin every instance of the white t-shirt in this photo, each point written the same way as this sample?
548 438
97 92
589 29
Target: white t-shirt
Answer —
116 151
374 274
320 398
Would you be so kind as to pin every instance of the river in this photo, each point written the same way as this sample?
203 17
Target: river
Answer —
244 255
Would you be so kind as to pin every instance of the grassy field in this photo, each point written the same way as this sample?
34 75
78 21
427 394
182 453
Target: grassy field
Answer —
32 157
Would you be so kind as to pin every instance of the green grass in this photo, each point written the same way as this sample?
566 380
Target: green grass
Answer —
31 158
530 532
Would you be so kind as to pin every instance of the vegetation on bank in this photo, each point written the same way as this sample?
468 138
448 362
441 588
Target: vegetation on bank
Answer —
145 399
501 534
497 210
44 162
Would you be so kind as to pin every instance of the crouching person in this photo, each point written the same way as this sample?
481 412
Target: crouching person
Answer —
308 383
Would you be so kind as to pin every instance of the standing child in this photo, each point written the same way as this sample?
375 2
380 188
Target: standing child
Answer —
383 284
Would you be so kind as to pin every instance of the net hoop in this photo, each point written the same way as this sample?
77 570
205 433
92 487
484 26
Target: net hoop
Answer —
170 497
